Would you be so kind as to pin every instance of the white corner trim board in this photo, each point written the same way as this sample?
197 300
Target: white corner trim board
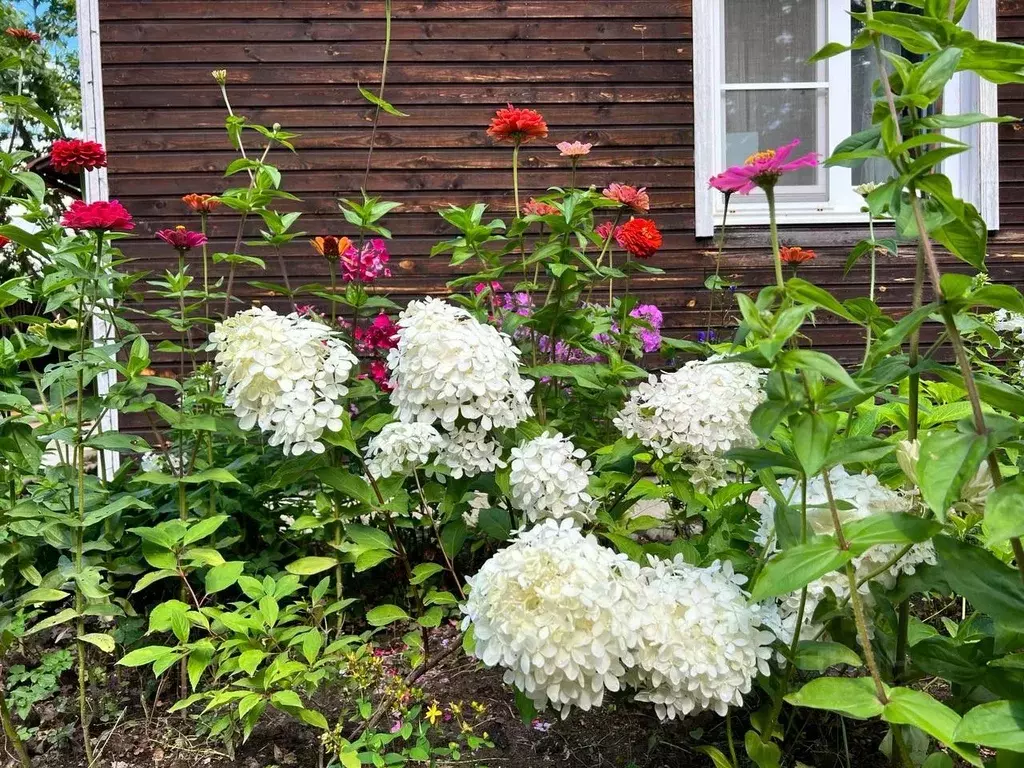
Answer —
94 129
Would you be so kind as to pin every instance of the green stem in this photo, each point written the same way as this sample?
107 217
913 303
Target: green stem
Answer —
17 110
380 92
769 193
12 733
515 186
206 266
624 315
183 517
718 261
606 249
871 284
732 741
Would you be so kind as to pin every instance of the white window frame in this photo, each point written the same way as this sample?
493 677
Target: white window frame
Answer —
974 173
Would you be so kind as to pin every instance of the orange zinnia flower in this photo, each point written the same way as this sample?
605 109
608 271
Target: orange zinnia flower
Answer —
640 237
517 125
330 247
796 255
200 203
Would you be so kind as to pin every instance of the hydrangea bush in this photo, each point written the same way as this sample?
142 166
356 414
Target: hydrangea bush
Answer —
603 512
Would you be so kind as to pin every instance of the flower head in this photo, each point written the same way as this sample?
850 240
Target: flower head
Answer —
604 230
72 156
400 448
99 216
558 611
631 197
575 149
549 479
867 188
182 239
762 169
469 451
367 264
285 374
201 203
220 75
381 334
517 125
377 372
640 237
447 365
534 207
23 36
330 247
796 255
650 338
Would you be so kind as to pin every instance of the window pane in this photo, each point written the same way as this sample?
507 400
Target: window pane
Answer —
769 41
757 120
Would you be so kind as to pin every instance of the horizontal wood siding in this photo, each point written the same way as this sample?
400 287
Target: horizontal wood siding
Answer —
617 73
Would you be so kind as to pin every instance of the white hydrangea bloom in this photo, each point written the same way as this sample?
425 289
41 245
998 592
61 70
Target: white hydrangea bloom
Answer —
1005 321
549 478
400 447
863 495
559 612
696 413
285 374
448 365
702 643
478 502
469 451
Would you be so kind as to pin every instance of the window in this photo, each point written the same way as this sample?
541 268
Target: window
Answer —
754 89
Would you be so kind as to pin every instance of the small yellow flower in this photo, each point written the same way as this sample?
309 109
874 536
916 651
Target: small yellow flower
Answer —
433 714
456 708
478 707
220 75
466 727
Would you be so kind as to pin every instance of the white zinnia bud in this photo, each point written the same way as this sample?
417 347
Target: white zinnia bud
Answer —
399 448
448 365
857 496
285 374
549 478
469 451
702 644
559 612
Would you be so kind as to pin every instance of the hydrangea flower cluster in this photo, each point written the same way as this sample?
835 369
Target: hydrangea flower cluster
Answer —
857 497
549 478
558 611
1005 321
284 373
569 619
696 413
468 451
703 646
400 446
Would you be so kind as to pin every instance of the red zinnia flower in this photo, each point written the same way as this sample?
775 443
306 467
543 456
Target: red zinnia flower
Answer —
517 125
796 255
200 203
23 35
330 247
4 241
640 237
101 216
182 239
535 207
634 198
72 156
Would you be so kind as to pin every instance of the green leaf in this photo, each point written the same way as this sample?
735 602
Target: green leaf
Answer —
383 615
286 700
1004 512
215 475
812 438
308 566
369 537
42 595
997 724
52 621
886 528
453 536
249 661
817 656
315 719
424 571
911 707
147 655
221 577
798 566
269 609
824 364
203 528
988 584
431 618
351 485
495 522
851 696
371 558
764 754
104 642
717 756
948 460
378 101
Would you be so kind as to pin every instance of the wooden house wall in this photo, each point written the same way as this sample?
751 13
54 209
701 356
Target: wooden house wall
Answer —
617 73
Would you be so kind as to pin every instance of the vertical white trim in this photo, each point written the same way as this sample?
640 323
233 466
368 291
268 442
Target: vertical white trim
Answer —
94 128
988 133
707 52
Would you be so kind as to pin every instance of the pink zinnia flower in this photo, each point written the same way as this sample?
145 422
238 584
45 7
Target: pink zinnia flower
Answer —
366 265
534 207
762 169
100 216
182 239
605 229
634 198
494 285
574 149
378 374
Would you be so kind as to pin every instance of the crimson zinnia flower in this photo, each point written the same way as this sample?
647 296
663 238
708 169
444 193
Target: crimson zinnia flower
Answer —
4 241
517 125
631 197
100 216
23 35
330 247
534 207
796 255
640 237
72 156
200 203
182 239
762 169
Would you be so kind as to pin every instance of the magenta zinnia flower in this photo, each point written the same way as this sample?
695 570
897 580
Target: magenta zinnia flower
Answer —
762 169
367 264
181 239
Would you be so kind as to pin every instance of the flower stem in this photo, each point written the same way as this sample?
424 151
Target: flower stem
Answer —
871 284
515 182
380 93
769 192
718 261
17 110
206 266
12 733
